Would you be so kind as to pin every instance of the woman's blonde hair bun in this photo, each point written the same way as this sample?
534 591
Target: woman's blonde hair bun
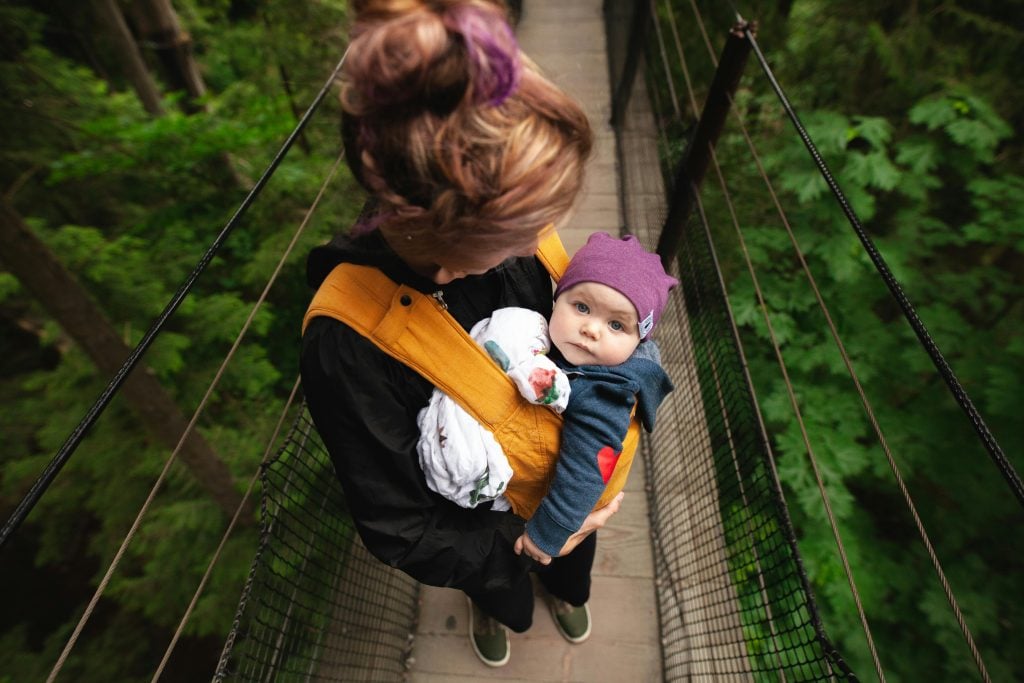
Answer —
407 55
466 146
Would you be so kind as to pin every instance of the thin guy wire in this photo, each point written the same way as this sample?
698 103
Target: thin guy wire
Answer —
897 475
660 135
933 557
769 455
227 533
800 421
714 367
682 61
654 507
652 493
646 452
101 588
790 537
789 387
739 348
664 61
703 29
989 441
47 476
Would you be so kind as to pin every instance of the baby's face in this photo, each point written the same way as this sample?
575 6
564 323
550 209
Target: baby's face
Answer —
593 324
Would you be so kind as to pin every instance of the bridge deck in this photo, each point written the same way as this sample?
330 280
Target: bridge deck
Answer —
567 39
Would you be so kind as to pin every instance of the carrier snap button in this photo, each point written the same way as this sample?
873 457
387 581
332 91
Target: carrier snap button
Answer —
406 300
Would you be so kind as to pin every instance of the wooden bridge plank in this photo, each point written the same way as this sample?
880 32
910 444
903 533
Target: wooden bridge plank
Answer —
702 634
567 39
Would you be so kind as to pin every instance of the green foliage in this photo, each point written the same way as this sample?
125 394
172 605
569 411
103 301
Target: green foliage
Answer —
913 107
129 203
916 111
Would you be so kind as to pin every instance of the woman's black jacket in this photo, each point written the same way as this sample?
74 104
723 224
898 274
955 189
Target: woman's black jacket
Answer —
364 405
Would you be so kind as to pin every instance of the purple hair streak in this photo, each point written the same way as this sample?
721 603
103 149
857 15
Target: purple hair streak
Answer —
492 49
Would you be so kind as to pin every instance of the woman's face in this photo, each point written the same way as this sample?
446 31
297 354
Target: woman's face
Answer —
442 274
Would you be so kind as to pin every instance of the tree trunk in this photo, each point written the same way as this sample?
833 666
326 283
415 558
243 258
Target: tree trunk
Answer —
157 24
112 22
286 82
42 274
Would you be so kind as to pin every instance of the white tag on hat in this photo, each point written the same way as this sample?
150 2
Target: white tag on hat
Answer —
646 324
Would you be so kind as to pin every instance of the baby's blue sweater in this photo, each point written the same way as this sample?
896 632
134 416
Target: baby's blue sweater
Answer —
595 423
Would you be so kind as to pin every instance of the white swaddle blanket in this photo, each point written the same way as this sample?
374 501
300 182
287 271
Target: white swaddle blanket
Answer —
460 458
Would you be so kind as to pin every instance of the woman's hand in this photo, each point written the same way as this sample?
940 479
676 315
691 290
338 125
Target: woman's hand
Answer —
594 521
525 545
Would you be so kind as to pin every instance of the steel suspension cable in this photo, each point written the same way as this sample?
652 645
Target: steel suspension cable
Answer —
101 588
781 362
800 421
909 312
50 472
897 475
227 533
762 591
266 453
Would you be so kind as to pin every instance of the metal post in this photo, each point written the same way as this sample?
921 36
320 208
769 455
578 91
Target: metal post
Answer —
690 171
638 32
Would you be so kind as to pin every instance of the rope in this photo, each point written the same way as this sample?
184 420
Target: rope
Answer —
227 534
800 421
713 365
188 430
739 345
856 382
993 448
78 434
792 398
273 436
908 500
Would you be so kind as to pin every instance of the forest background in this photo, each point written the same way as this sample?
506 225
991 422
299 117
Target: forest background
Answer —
132 131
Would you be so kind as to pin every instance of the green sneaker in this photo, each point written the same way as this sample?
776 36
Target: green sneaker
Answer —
488 637
572 622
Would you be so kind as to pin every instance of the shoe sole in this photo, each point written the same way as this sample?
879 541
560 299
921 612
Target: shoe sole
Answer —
558 625
472 641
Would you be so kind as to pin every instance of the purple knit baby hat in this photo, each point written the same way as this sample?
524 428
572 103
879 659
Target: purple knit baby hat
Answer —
623 265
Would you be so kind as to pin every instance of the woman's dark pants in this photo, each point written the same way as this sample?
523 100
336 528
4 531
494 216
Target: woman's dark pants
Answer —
566 578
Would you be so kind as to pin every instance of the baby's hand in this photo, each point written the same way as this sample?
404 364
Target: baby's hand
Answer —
523 543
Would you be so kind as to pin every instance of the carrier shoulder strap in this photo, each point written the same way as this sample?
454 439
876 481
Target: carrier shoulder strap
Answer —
412 328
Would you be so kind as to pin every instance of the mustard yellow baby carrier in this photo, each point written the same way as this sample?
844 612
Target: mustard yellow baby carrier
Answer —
415 330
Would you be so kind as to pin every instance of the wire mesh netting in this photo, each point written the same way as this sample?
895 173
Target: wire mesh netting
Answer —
317 606
734 603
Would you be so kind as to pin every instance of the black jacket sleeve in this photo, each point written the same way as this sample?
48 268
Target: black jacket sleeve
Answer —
364 405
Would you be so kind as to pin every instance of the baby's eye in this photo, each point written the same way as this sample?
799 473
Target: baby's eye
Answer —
582 307
617 326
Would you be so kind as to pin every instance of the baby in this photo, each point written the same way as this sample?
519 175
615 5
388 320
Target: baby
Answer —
607 304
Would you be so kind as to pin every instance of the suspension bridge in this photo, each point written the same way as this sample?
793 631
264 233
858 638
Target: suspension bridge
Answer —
699 577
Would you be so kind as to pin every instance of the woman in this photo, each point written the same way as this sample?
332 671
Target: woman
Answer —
469 155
